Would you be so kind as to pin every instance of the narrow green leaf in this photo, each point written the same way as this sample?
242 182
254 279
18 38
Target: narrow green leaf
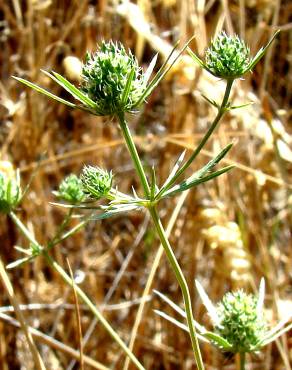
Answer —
173 171
162 71
18 262
122 208
219 341
261 53
199 61
153 184
157 78
260 303
127 89
207 303
173 305
276 335
209 166
26 251
45 92
76 93
196 58
150 69
187 185
240 106
276 329
212 102
179 324
179 310
197 175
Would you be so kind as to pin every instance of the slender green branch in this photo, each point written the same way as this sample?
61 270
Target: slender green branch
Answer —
182 283
79 291
164 241
61 228
221 111
133 152
242 360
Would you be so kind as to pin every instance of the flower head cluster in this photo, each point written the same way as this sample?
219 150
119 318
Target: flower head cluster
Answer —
112 78
70 190
240 322
10 191
96 182
227 56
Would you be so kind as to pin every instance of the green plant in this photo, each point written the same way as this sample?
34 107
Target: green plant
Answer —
238 319
114 84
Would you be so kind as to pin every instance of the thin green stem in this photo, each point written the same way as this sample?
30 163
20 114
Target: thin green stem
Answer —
182 283
242 360
164 241
133 152
79 291
220 114
61 228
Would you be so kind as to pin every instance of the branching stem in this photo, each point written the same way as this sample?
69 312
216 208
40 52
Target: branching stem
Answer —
79 291
164 241
221 111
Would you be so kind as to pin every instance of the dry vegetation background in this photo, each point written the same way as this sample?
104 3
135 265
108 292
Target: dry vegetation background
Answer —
228 233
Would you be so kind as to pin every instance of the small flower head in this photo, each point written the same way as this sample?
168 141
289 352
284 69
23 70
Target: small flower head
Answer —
240 321
10 190
96 182
227 57
70 190
112 78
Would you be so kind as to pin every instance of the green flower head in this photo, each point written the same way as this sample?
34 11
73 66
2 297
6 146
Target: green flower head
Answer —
112 78
228 56
240 322
70 190
10 192
96 182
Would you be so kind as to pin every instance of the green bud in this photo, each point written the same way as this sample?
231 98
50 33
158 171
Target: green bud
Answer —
96 182
112 78
70 190
240 321
10 192
227 57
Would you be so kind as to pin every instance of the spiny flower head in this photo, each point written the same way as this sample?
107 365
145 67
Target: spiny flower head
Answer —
70 190
240 321
228 56
96 182
106 78
10 190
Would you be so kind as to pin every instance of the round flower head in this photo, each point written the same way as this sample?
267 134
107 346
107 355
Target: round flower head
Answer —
227 57
112 78
70 190
240 321
96 182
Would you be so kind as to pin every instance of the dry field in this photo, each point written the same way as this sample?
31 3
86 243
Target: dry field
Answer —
227 233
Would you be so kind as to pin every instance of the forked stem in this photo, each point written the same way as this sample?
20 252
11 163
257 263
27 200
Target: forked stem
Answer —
164 241
79 291
221 111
